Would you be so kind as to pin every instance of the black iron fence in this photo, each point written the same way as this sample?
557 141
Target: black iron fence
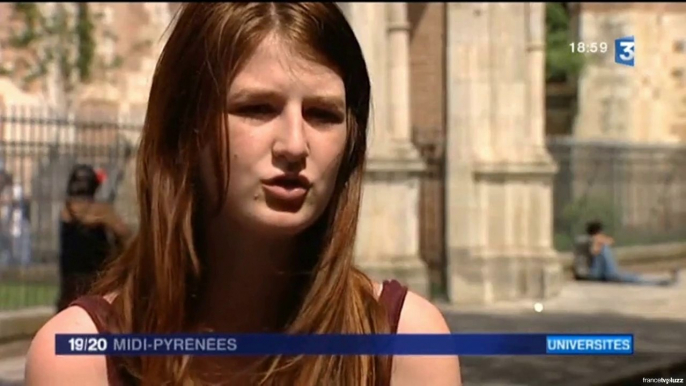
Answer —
38 148
637 191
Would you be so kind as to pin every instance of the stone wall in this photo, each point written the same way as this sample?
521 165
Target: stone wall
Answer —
644 103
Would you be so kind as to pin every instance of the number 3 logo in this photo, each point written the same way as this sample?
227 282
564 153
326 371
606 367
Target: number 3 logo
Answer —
627 50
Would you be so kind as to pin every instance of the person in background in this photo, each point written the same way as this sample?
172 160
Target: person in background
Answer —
603 265
6 182
19 228
90 233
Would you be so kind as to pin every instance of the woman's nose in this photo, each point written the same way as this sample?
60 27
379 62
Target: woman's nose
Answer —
291 140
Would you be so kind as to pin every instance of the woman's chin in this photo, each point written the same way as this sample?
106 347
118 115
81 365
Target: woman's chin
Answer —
281 223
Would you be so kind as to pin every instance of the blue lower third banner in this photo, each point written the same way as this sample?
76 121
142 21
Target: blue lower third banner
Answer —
400 344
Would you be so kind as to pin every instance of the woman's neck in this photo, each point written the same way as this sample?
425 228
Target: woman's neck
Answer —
248 282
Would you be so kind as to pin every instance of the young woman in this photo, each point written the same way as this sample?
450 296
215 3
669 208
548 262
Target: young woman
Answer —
90 233
250 171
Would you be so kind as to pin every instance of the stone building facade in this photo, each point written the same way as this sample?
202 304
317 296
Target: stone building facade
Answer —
476 88
641 104
636 116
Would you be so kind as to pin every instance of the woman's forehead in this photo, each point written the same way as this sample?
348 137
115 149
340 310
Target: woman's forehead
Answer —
278 67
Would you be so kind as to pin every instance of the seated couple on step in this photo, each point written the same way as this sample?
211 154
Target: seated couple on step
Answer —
594 260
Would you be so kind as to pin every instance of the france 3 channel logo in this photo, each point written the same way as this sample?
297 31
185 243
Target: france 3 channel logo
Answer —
625 51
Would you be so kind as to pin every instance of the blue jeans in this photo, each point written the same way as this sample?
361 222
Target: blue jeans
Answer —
604 268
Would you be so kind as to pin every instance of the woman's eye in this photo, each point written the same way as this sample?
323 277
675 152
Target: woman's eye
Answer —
324 116
256 111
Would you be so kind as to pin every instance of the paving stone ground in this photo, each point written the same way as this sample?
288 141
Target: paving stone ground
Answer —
655 315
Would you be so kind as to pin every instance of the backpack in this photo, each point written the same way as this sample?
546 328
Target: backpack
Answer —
582 257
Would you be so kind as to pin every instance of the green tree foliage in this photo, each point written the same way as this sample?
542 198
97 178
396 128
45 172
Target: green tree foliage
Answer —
62 41
577 213
561 63
86 42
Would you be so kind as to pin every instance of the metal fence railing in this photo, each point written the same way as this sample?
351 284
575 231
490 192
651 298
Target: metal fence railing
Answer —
637 191
37 151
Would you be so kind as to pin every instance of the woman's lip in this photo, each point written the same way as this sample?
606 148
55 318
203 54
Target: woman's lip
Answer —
289 179
285 193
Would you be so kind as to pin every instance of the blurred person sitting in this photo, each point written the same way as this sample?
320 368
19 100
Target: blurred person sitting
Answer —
603 266
90 232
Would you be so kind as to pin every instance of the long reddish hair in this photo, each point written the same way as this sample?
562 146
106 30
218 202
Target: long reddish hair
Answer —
155 279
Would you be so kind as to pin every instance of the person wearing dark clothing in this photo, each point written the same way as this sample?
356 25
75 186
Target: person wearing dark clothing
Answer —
603 266
90 233
6 182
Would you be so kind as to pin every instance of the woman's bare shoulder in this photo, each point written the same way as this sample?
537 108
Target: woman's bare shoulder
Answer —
420 316
43 367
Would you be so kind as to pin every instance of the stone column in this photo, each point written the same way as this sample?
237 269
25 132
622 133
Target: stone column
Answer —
399 73
369 24
536 49
388 242
498 172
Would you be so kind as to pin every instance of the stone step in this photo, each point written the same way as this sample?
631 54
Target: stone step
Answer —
12 371
22 324
14 349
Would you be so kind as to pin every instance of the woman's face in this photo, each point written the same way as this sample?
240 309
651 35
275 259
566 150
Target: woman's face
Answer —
287 134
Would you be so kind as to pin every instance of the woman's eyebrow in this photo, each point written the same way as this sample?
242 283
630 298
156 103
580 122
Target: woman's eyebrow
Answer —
250 94
328 101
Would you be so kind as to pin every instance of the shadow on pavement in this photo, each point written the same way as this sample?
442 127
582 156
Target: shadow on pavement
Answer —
658 343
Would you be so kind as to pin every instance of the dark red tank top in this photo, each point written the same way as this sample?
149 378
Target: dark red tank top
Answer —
392 297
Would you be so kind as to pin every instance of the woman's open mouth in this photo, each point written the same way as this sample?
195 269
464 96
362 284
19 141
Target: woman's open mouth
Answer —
287 187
